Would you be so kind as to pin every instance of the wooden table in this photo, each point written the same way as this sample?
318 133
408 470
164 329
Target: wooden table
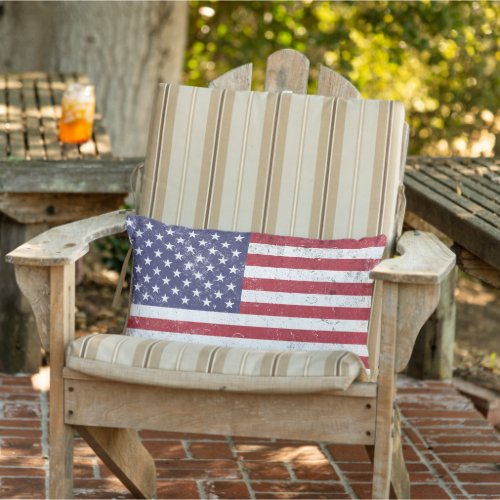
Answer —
44 183
461 198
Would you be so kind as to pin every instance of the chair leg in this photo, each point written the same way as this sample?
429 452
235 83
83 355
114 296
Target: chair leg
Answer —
61 461
397 474
382 460
124 454
400 481
62 305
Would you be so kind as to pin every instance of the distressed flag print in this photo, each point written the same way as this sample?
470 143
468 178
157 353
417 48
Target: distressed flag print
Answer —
251 290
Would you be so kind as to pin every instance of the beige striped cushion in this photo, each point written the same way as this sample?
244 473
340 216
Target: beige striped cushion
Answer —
178 364
279 163
301 165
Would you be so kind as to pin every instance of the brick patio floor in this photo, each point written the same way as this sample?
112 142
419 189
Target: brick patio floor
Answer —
451 452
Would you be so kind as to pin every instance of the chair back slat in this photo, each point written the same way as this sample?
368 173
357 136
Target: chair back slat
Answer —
287 70
331 83
239 78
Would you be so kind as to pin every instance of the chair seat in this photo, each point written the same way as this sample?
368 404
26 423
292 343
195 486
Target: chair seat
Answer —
179 364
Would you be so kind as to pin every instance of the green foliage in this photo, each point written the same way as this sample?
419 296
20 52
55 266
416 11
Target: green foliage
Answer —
112 251
439 58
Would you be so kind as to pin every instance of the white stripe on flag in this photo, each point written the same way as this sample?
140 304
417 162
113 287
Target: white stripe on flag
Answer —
283 273
272 345
214 318
315 253
306 299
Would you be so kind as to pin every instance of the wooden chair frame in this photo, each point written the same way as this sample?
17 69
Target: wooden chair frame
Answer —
107 414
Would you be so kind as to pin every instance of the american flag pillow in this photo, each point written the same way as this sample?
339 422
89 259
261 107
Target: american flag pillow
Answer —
251 290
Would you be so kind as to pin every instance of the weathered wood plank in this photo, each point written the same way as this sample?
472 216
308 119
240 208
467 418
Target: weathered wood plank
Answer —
15 126
477 236
126 457
287 70
239 78
67 243
75 176
31 112
331 83
383 455
400 480
48 118
355 390
57 208
476 267
35 285
62 330
415 306
339 419
433 352
423 259
20 349
482 170
476 191
460 193
3 117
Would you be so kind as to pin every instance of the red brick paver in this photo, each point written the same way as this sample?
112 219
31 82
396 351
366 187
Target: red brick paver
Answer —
450 450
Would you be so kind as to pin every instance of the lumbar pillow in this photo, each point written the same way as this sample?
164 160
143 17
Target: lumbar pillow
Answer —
252 290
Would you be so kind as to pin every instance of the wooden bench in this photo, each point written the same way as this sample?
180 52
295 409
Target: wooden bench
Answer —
44 183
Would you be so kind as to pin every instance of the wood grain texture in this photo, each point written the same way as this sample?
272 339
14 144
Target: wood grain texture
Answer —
62 329
35 286
469 263
433 352
66 244
3 117
287 70
400 480
70 176
423 259
239 78
334 418
416 304
125 48
20 349
383 455
57 208
331 83
123 453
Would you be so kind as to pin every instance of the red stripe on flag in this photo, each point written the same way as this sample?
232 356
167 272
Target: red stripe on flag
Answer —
318 312
294 241
319 287
314 264
247 332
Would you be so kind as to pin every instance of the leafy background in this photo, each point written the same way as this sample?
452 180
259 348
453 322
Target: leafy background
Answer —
439 58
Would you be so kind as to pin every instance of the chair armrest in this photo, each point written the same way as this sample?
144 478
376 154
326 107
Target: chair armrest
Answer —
423 260
67 243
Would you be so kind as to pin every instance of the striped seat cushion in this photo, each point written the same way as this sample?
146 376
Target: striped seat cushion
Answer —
179 364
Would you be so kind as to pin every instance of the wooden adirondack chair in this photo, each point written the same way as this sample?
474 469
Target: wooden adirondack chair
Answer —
107 410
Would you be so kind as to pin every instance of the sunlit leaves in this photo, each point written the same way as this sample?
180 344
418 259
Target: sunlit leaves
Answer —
439 58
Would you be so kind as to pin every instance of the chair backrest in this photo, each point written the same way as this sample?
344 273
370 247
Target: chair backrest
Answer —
281 163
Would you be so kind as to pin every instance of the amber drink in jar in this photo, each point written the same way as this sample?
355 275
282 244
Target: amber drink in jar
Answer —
77 113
